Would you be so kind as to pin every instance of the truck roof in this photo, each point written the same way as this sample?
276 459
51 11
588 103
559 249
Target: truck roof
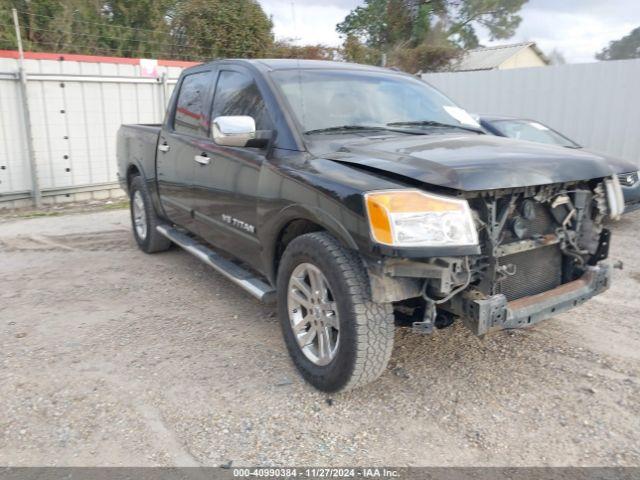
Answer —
271 64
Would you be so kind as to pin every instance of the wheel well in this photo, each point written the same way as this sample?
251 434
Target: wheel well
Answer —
132 171
291 230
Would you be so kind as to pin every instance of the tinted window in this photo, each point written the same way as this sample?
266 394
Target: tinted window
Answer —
330 98
190 111
238 94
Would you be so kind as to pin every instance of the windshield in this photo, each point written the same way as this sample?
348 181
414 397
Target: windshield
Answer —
326 99
533 132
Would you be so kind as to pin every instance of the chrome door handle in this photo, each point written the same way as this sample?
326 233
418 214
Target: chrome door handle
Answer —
164 148
202 160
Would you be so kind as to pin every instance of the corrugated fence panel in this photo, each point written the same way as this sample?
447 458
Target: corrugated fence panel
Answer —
596 104
74 120
14 163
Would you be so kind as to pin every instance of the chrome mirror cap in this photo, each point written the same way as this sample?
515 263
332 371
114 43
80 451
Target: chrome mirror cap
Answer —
233 130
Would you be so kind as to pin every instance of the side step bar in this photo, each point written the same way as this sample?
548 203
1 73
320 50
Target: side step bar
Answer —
238 275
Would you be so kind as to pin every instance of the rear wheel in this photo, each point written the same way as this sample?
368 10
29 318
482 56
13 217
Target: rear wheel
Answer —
337 337
144 219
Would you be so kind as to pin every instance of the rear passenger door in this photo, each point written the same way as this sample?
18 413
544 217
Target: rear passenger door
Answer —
186 127
228 183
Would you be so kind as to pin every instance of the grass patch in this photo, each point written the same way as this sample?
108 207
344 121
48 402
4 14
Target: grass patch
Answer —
117 205
39 214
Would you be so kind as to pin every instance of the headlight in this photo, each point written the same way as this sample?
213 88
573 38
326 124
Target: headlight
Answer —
628 179
411 218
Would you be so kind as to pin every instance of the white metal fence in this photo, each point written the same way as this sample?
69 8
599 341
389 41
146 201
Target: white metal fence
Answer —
595 104
75 109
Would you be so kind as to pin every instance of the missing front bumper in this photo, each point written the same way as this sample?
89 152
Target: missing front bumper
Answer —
485 315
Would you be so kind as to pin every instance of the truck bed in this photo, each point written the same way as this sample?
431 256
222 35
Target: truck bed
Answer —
137 144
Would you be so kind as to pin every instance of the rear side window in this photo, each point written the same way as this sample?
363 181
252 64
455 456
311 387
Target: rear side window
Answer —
190 110
238 94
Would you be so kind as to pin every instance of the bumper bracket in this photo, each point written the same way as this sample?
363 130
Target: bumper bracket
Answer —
485 315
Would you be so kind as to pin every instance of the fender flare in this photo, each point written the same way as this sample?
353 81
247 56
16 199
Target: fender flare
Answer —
152 185
300 212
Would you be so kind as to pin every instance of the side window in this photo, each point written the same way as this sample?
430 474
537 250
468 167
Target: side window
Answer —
190 110
238 94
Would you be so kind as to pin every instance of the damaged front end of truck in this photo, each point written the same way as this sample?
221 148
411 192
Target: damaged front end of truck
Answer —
540 251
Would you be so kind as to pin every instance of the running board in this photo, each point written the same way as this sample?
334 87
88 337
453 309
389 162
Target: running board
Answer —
238 275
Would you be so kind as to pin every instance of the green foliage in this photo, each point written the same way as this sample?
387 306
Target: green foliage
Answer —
286 49
353 50
219 28
627 47
428 34
368 21
184 29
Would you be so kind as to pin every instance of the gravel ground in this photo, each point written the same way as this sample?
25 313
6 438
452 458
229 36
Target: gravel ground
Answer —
114 357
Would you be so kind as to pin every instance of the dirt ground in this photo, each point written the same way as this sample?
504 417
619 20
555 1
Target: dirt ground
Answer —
114 357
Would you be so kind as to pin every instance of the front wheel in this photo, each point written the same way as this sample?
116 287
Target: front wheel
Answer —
337 337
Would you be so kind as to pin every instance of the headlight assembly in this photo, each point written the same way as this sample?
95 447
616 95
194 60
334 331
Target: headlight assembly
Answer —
615 197
411 218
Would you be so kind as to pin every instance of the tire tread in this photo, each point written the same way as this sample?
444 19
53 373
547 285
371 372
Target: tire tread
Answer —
155 241
374 321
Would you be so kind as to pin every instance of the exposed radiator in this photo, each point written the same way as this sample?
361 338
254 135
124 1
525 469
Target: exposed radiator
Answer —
536 271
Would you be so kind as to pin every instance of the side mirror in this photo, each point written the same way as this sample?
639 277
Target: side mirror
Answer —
233 130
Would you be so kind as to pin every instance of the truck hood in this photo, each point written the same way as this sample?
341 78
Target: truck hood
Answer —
466 162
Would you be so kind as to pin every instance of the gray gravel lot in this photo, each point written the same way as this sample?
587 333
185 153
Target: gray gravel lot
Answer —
114 357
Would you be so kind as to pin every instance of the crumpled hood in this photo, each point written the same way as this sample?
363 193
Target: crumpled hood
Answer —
468 162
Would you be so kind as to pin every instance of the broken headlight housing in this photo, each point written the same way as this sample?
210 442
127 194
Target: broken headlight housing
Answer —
411 218
615 197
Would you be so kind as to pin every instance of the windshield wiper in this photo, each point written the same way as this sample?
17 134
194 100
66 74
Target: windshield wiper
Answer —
345 128
433 123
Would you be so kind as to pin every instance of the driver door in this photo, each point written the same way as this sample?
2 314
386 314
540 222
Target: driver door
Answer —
227 182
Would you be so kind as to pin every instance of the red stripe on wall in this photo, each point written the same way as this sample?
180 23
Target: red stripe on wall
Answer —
73 57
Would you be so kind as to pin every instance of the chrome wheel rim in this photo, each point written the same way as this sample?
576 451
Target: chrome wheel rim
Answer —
313 314
139 215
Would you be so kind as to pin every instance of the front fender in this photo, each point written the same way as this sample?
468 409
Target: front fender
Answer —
272 230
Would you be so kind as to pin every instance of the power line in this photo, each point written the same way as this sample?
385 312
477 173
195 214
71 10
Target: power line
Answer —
106 37
238 51
111 51
88 22
143 43
108 25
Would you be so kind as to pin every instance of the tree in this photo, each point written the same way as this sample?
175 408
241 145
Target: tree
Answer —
556 57
354 50
627 47
219 28
285 48
184 29
138 28
424 34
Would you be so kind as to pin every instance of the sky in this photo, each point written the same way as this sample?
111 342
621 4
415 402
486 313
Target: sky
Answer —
577 28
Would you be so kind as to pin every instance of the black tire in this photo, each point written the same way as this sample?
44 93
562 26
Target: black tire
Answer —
366 328
153 241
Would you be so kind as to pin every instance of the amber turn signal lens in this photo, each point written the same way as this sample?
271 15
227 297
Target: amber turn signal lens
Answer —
415 218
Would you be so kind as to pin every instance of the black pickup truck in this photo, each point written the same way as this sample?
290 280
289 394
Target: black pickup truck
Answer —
353 194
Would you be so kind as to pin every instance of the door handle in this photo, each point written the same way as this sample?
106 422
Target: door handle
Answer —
202 159
164 148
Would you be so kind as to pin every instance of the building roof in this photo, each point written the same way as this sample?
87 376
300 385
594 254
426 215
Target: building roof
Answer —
489 58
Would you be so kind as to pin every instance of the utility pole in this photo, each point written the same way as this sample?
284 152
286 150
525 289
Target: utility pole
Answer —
26 115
